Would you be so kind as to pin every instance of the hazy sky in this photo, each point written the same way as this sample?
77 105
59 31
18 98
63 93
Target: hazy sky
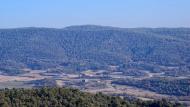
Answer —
119 13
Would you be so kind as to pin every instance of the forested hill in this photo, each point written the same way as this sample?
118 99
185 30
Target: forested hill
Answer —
64 97
79 48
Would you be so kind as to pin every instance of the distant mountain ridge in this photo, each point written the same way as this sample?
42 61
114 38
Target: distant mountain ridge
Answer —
93 47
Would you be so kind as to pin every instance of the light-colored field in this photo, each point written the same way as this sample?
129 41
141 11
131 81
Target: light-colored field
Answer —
119 89
31 75
14 84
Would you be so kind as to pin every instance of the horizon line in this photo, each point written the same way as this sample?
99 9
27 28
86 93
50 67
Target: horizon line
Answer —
94 25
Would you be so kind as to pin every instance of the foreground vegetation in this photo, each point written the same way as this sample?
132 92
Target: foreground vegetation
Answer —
65 97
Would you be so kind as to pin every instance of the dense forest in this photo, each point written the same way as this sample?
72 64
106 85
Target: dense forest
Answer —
66 97
78 48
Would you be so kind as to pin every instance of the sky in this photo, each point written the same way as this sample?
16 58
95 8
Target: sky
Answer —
118 13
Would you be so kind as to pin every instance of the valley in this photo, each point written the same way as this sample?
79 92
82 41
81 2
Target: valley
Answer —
133 63
103 81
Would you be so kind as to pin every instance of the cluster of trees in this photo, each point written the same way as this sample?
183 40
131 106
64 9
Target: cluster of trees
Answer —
65 97
178 87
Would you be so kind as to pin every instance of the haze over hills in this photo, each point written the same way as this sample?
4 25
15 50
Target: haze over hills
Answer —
81 48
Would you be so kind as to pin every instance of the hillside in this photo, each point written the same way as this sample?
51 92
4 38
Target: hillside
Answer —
79 48
64 97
